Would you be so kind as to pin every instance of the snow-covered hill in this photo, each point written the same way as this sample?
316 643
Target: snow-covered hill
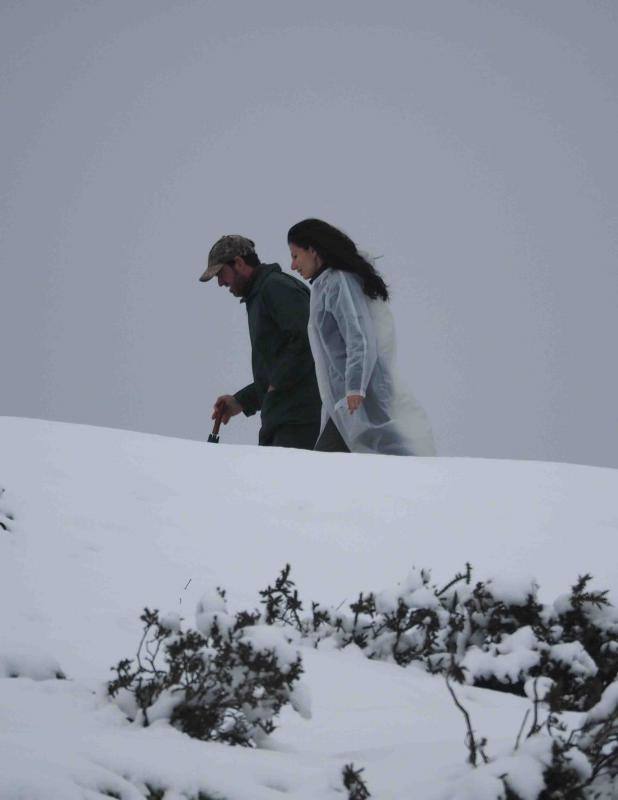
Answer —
98 523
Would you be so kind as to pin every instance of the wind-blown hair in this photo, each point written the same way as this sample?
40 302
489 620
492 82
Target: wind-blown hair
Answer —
338 251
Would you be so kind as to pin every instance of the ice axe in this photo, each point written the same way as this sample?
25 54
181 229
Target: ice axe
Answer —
214 436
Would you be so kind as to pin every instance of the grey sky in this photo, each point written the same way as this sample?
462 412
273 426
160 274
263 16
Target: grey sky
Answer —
472 145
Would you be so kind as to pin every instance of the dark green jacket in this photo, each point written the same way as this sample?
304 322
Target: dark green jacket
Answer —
278 313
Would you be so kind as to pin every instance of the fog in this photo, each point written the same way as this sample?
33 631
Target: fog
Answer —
471 146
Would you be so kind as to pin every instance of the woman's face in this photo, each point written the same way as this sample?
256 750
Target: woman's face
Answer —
306 262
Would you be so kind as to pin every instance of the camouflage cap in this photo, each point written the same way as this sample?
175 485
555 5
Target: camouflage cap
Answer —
226 249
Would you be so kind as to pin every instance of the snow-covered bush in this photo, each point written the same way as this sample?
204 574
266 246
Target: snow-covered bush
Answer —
509 637
226 682
551 763
493 634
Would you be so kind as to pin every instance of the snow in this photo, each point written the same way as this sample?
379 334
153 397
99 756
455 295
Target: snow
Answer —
172 621
301 700
102 523
575 658
607 705
580 763
525 775
28 663
267 637
525 770
538 688
212 609
513 590
505 667
422 598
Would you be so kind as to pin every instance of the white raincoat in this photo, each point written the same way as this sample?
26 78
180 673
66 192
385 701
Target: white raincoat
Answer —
353 344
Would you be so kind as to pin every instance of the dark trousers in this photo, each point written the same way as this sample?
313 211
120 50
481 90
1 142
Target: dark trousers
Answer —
300 436
331 440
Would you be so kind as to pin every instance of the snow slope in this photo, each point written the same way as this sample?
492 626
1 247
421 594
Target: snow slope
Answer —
104 522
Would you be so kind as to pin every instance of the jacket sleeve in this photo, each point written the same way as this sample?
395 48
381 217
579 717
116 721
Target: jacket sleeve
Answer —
288 305
351 312
249 399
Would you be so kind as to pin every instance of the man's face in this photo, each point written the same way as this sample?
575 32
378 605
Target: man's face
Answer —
235 278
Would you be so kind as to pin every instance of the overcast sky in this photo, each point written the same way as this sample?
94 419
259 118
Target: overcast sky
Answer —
471 145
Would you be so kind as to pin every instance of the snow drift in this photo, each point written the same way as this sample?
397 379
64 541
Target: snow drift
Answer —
98 523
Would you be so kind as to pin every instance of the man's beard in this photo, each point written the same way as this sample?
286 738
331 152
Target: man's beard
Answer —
240 287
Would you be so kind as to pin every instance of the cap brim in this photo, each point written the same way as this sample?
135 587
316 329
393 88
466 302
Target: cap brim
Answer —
212 270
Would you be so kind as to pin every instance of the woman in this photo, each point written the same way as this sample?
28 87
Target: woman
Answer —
352 340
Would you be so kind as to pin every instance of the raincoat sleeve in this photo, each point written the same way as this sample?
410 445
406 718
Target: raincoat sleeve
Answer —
249 399
288 305
348 306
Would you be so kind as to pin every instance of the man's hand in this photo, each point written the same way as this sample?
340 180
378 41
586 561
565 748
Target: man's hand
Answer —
226 406
354 402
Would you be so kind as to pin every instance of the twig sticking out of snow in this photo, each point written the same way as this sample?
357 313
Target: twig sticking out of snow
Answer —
471 743
5 516
356 786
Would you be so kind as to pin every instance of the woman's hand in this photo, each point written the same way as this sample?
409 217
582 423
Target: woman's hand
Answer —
354 402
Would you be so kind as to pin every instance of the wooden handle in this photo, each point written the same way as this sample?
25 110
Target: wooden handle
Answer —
216 426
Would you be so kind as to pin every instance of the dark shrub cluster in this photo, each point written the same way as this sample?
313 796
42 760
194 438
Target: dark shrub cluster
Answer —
476 632
580 764
225 686
354 783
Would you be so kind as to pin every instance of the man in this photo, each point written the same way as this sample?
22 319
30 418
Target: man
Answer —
284 385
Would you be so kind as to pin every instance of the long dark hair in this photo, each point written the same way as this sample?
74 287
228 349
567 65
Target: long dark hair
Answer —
338 251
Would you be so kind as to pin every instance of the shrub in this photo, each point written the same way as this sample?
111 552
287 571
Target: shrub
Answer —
228 680
489 634
354 783
551 764
226 684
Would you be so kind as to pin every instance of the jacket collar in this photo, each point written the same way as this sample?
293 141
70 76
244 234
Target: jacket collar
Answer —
319 274
259 276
